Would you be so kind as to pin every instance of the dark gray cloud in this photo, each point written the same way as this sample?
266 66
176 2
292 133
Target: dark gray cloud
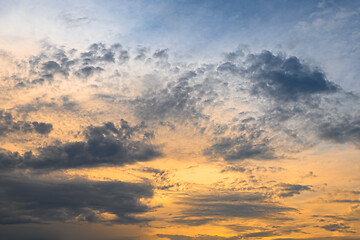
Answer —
338 227
67 231
50 62
28 200
240 149
224 206
99 53
104 145
342 130
290 90
284 78
9 125
226 197
9 160
289 80
289 190
241 210
42 128
49 69
260 234
88 71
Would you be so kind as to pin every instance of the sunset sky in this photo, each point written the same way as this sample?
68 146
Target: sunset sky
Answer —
179 120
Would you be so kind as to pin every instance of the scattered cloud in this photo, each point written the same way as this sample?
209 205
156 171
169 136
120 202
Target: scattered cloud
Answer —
289 190
9 125
242 205
337 227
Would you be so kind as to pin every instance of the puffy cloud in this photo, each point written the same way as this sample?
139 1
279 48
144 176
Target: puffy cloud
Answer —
182 99
42 128
104 145
88 71
9 125
292 102
285 79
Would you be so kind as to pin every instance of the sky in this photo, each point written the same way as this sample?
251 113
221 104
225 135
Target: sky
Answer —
179 120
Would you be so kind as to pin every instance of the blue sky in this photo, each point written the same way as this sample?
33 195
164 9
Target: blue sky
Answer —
322 31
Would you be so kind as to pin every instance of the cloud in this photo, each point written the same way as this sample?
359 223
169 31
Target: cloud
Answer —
42 128
62 103
98 53
248 141
224 206
292 103
88 71
103 145
28 200
240 149
337 227
285 79
342 130
289 190
256 234
180 99
56 64
197 237
235 169
9 125
161 54
50 68
241 210
193 222
260 234
292 92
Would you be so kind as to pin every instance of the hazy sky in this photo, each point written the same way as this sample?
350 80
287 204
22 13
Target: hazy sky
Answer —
179 120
